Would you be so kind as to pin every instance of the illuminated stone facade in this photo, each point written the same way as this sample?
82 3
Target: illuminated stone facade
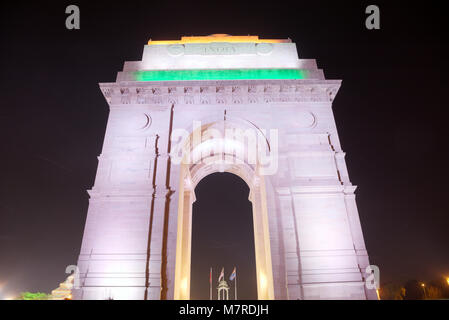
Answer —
137 238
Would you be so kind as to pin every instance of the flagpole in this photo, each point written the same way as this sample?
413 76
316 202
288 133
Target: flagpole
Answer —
210 284
235 284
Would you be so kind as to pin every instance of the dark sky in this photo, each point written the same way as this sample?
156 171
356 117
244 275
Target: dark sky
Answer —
391 113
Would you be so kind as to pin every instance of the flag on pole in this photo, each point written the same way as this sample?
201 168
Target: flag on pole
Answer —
221 275
210 276
233 274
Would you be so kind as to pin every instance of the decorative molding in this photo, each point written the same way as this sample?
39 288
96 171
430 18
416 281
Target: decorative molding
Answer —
220 92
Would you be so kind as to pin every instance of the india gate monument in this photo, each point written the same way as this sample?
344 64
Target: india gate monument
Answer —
221 103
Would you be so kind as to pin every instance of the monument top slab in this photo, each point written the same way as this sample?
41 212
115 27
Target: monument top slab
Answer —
218 38
219 51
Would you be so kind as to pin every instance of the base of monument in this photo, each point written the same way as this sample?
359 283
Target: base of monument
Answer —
324 291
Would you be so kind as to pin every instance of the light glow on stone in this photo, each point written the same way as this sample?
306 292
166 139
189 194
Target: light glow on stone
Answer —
263 281
184 286
218 38
218 74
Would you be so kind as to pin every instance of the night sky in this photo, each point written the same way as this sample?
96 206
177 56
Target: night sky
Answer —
391 113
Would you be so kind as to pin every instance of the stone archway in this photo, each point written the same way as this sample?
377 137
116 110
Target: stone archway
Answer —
136 242
191 174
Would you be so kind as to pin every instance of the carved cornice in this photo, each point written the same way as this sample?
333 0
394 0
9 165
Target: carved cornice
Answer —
220 92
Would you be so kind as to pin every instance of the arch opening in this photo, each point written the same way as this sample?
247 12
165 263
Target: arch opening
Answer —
222 237
190 176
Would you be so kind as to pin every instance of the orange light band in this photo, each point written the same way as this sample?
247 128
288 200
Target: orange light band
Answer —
219 38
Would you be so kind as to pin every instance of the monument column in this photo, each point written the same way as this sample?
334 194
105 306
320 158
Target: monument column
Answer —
291 245
160 260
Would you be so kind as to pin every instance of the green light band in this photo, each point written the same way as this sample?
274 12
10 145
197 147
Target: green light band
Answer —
230 74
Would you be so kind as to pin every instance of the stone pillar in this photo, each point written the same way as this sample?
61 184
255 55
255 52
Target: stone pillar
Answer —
329 263
155 243
171 232
291 245
357 236
265 288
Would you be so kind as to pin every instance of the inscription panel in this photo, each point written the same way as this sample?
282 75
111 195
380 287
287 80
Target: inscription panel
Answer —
219 48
